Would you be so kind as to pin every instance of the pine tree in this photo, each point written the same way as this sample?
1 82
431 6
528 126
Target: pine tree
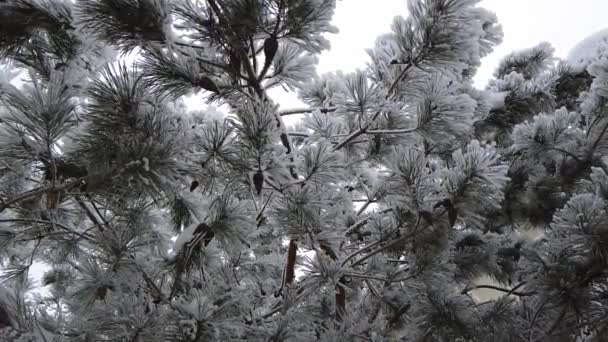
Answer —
406 204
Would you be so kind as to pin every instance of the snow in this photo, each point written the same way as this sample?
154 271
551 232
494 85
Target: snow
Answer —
7 74
184 237
589 50
531 235
496 100
146 162
605 160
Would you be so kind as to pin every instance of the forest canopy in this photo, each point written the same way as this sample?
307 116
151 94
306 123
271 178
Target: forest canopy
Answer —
403 203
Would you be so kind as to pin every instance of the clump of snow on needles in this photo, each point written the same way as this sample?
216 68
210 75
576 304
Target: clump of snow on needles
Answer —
186 236
589 50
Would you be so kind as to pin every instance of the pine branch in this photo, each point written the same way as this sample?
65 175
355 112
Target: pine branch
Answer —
186 45
597 141
395 318
62 226
557 321
395 242
441 37
205 61
366 276
89 213
298 134
570 154
340 292
260 215
369 201
256 85
365 127
306 111
127 24
533 321
271 45
64 186
393 131
167 74
253 81
387 246
363 221
354 254
254 56
38 191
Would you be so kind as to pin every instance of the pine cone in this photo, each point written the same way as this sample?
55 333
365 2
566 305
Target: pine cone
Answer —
271 45
258 182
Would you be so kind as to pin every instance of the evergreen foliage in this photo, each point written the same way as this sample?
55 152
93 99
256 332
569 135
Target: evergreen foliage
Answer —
407 205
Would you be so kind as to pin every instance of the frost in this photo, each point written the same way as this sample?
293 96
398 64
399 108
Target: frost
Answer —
380 182
214 113
184 237
7 75
133 163
146 163
589 50
496 100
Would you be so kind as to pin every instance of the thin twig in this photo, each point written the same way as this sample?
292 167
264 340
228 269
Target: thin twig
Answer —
557 321
534 319
510 292
392 131
570 154
402 310
389 245
367 203
361 251
89 213
200 59
258 217
298 134
372 289
597 141
363 221
8 167
32 220
39 191
254 57
365 276
515 288
306 111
